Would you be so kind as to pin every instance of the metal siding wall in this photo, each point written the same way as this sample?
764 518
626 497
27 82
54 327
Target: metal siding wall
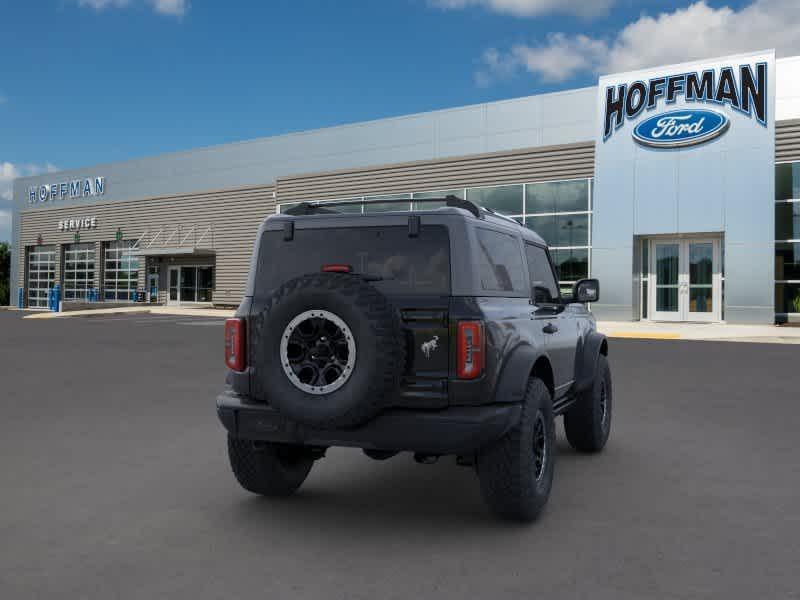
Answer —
571 161
234 214
787 141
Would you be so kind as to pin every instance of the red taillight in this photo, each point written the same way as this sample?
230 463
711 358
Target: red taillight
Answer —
336 268
471 349
235 349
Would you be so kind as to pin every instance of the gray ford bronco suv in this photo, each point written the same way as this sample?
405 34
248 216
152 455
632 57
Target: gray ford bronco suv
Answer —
439 331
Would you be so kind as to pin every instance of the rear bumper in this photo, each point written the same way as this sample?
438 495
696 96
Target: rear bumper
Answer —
456 430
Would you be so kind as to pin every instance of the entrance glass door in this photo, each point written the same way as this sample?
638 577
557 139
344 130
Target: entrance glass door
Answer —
686 280
173 297
699 287
191 284
667 281
152 284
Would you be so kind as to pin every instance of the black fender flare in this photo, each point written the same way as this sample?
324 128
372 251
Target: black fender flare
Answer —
513 379
594 344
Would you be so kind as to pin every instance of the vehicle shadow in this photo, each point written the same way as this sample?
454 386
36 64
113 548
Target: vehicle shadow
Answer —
353 493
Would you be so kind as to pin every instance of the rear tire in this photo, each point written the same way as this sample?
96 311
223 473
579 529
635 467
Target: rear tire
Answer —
516 472
268 469
588 422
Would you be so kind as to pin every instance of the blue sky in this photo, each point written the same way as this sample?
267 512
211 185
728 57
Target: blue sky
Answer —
90 81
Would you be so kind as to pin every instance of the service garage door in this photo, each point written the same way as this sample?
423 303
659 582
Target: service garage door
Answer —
41 274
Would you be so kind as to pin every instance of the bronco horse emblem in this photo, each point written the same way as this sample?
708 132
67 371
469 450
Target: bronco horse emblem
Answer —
430 346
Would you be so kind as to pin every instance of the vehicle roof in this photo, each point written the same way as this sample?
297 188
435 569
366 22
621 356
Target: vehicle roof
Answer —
507 223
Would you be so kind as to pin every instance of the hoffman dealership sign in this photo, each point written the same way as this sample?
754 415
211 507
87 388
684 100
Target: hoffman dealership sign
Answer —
64 190
743 89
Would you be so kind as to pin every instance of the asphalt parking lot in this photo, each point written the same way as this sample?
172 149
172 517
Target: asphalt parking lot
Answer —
114 483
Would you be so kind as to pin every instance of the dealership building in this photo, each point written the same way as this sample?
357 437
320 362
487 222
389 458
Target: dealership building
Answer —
678 187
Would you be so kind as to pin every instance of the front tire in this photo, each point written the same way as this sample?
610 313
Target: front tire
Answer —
268 469
588 422
516 472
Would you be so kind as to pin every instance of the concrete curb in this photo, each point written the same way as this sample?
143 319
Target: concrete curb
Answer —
716 332
154 310
644 335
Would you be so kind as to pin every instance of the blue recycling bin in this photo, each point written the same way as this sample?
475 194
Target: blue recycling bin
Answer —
21 298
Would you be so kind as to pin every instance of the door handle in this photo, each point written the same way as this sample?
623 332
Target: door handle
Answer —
549 328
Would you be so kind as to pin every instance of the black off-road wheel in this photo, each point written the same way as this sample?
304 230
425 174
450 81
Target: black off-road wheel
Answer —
516 472
269 469
588 422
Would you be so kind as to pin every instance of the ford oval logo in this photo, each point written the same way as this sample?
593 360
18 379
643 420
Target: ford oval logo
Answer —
681 128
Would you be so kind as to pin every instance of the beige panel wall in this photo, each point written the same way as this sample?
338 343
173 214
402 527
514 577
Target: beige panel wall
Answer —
234 216
787 141
538 164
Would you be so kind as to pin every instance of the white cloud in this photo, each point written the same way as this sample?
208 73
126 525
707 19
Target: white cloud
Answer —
175 8
172 8
9 172
697 31
531 8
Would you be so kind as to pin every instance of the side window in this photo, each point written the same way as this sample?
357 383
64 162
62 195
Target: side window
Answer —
500 262
544 289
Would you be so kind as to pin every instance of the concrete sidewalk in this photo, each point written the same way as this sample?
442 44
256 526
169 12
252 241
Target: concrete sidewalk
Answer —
138 309
770 334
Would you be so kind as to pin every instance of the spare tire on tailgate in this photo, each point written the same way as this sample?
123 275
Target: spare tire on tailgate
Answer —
327 350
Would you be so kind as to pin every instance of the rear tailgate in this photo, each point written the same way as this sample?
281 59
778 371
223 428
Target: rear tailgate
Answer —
413 271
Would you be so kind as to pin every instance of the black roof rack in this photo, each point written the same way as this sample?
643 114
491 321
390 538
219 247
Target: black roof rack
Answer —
321 208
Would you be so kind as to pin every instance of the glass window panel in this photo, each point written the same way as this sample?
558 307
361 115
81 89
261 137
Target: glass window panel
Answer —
645 259
557 196
787 181
787 221
544 226
505 199
349 208
544 289
701 258
644 299
205 277
666 299
205 283
572 230
393 206
787 261
571 265
787 298
500 262
667 264
458 193
188 276
700 299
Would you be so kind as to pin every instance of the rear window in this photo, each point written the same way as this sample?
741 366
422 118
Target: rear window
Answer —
407 265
